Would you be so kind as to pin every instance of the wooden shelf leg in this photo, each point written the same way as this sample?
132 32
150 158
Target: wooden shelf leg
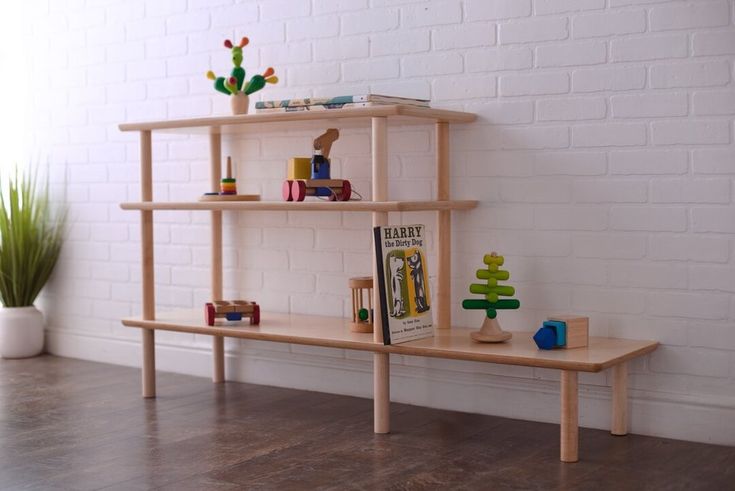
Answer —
149 363
569 416
381 392
148 277
218 342
444 231
619 424
380 193
218 359
381 361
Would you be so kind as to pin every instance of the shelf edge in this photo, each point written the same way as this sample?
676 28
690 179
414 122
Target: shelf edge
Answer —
400 349
357 206
395 110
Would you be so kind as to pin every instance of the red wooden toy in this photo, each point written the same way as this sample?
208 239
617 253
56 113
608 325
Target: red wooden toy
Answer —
232 310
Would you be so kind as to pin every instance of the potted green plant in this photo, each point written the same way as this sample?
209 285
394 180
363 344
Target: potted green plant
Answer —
31 234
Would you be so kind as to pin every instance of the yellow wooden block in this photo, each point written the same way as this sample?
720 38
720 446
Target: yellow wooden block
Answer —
299 168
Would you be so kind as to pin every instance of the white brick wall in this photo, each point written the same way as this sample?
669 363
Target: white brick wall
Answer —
603 158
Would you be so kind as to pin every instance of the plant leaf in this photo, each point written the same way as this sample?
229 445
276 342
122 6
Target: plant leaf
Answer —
31 236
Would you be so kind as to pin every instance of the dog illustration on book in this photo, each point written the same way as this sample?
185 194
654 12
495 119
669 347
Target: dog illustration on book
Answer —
396 265
416 265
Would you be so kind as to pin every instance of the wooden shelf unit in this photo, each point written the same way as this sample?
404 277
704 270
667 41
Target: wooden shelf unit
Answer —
452 343
377 117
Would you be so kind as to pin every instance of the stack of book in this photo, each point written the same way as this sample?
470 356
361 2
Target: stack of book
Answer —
334 103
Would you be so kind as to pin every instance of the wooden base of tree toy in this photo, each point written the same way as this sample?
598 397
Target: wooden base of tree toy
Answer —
362 316
228 189
491 332
235 85
232 310
317 181
564 331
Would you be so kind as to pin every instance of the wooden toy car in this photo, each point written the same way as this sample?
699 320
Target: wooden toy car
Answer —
232 310
312 177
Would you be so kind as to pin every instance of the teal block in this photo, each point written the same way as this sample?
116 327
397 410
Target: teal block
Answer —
560 328
561 334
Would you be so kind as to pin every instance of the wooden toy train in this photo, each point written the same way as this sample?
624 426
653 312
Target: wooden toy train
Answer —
312 177
232 310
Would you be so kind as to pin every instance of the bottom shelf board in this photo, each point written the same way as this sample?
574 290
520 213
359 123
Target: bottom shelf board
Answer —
452 343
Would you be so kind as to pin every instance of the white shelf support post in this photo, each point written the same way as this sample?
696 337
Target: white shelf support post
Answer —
218 342
381 361
443 230
148 279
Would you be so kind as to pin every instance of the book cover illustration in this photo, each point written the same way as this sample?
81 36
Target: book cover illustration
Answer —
344 99
316 107
403 279
307 101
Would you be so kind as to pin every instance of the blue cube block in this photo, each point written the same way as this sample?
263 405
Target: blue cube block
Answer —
233 316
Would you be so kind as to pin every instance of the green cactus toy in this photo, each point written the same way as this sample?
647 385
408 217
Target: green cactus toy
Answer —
490 332
235 84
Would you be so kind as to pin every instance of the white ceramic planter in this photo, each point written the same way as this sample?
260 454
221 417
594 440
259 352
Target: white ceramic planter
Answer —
21 332
240 103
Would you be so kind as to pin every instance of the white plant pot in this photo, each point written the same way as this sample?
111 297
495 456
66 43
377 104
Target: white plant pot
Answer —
240 103
21 332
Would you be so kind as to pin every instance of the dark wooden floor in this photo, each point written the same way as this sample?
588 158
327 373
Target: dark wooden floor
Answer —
70 424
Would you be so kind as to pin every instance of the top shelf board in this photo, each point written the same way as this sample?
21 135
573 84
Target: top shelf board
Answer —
237 124
318 205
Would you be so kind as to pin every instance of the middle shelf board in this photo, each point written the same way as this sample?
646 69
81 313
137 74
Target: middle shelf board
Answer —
452 343
379 206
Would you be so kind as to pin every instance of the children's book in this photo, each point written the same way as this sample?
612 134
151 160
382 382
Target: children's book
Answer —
403 283
344 99
316 107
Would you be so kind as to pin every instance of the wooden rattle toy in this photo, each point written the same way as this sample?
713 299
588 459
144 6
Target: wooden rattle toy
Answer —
318 181
232 310
491 332
563 331
362 318
235 85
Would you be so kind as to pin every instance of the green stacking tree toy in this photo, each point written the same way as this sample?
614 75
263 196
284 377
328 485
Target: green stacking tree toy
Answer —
235 85
490 332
